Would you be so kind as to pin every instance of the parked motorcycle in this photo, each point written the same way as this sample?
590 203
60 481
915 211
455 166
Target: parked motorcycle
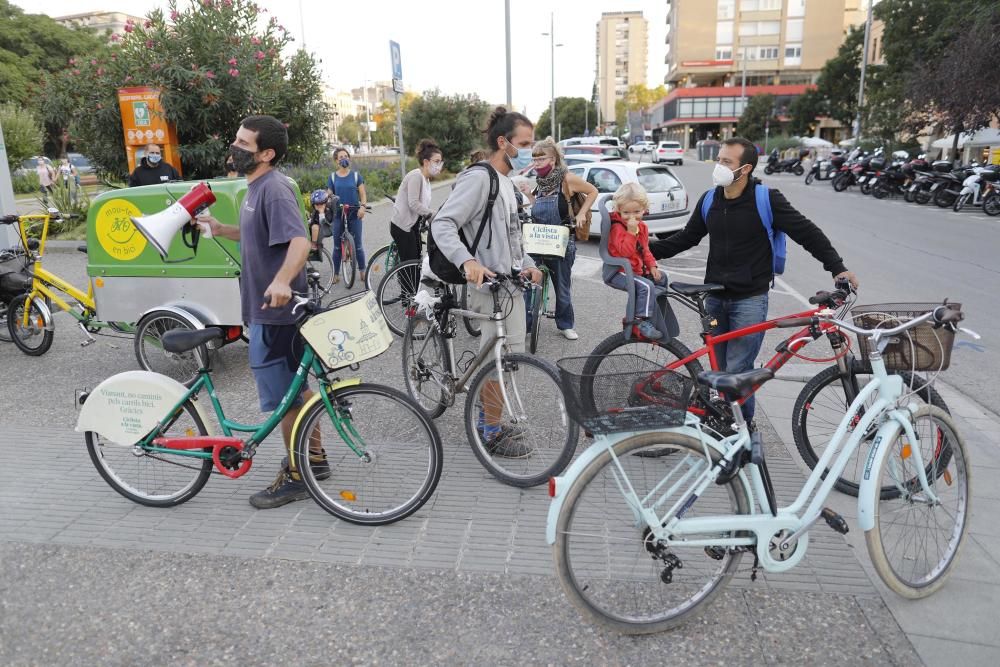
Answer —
792 165
973 187
825 170
946 191
991 200
15 281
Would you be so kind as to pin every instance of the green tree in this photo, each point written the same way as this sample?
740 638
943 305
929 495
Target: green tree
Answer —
22 133
573 113
803 112
215 63
840 77
385 118
350 131
759 111
455 122
639 97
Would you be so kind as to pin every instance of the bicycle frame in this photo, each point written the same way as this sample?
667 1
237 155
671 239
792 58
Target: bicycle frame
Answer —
759 528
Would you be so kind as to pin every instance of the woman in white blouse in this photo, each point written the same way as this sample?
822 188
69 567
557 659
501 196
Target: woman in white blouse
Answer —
413 200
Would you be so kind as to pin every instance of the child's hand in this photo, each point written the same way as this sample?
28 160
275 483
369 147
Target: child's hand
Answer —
656 273
633 226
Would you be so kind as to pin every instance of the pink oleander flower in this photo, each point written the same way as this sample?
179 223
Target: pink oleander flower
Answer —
259 55
147 24
100 71
255 40
232 61
129 27
149 43
99 106
76 72
209 74
115 37
174 15
72 61
128 77
234 72
93 61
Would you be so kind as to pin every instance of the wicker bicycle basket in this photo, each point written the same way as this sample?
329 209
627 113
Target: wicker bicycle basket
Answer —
922 348
626 392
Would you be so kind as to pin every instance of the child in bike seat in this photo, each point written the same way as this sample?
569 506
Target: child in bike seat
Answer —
629 239
320 222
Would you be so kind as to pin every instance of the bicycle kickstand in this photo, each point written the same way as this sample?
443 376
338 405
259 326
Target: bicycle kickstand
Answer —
90 339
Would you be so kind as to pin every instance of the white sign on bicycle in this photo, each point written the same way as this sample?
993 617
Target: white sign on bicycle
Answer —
545 239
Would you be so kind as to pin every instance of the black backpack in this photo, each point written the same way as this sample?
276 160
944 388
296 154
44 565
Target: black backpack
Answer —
441 265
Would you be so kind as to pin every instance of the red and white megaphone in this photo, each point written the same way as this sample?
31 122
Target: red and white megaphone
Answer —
160 228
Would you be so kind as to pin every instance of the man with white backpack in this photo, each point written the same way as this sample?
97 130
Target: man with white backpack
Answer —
746 224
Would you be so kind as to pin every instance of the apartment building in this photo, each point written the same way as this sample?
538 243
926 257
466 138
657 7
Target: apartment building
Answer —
716 47
622 57
99 22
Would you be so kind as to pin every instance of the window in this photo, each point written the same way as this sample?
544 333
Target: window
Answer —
713 108
684 109
604 180
796 8
723 53
657 179
724 32
793 30
754 28
759 5
749 5
726 9
768 53
793 55
577 170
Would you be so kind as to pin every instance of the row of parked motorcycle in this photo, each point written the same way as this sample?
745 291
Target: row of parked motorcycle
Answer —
915 180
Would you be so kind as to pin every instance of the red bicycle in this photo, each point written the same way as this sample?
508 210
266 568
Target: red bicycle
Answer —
822 402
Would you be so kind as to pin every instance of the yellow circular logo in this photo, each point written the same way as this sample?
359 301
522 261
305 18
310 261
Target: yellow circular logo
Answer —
115 231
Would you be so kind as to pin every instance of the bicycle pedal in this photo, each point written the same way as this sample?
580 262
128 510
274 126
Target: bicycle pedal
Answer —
834 520
716 552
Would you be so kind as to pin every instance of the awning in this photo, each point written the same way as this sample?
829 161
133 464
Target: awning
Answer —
985 137
815 142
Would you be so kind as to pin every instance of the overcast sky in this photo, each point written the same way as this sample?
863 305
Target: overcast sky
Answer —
454 45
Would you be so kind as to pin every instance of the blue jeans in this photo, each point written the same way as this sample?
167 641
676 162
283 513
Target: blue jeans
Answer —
739 354
561 275
353 226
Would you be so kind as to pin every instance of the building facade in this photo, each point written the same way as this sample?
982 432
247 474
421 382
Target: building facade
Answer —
622 57
99 22
715 48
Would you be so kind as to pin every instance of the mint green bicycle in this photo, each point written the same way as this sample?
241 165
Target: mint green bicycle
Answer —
650 523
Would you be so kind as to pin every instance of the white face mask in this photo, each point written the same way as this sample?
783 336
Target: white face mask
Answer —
723 176
435 169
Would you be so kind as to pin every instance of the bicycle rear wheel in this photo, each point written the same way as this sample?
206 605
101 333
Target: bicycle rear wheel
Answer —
608 561
536 298
915 541
821 406
471 325
425 366
395 294
324 265
348 262
397 465
155 479
536 437
151 356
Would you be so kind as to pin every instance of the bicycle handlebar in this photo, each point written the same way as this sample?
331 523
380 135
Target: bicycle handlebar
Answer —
943 315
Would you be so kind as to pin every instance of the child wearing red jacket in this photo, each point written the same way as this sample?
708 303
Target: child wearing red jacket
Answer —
629 239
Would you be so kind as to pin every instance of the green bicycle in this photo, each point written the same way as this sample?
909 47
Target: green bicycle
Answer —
537 303
373 456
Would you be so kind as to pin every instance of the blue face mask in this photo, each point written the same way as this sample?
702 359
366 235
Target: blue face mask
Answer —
345 163
520 161
153 159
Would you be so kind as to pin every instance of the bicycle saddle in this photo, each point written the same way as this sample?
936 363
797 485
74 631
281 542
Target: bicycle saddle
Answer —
734 386
689 289
179 340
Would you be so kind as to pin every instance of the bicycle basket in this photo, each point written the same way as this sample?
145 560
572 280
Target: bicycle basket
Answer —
623 392
922 348
349 330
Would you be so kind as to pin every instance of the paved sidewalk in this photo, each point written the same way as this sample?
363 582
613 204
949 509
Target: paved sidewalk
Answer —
958 625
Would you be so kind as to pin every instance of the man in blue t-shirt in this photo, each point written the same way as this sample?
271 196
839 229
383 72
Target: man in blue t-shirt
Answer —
273 251
348 185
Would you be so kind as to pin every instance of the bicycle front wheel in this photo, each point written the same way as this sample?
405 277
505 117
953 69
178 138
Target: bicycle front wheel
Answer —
536 299
348 262
609 563
388 469
821 406
324 265
529 437
425 366
379 264
395 294
156 479
915 540
32 334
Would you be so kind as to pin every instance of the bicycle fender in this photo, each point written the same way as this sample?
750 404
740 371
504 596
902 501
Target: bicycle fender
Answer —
125 407
870 488
305 408
562 483
46 312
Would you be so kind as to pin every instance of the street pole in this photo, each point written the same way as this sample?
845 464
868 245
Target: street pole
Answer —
302 26
743 86
507 20
864 66
8 205
552 41
368 120
586 120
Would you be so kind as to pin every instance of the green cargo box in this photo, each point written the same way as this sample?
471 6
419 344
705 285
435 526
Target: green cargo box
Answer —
130 278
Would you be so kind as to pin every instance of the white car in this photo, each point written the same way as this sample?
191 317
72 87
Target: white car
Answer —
584 158
669 151
641 147
668 199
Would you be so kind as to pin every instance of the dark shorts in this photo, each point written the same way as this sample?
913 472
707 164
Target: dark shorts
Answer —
275 351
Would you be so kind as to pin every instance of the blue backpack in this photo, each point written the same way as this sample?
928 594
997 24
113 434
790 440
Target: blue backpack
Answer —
776 237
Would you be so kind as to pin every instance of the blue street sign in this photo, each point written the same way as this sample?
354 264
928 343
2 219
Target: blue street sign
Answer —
397 62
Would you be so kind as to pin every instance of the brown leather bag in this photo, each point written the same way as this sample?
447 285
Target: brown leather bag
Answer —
575 204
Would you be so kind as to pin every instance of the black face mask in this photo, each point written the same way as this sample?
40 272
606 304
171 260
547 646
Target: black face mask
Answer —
243 160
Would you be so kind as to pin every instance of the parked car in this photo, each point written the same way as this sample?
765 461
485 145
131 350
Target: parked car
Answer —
669 151
602 140
641 147
596 149
585 158
668 199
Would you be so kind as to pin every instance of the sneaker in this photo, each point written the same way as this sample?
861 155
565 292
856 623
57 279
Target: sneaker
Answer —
506 443
284 490
647 330
320 466
361 275
569 334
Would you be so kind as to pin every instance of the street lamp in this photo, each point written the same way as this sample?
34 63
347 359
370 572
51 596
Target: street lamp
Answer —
551 34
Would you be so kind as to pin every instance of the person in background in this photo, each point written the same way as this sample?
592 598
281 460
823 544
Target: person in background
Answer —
554 188
349 186
46 178
69 177
413 200
320 222
152 169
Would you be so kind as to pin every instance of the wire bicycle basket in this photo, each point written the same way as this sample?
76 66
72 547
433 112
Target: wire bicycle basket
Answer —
922 348
626 392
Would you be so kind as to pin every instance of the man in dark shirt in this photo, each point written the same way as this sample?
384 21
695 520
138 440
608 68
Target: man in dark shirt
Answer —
739 252
152 169
273 250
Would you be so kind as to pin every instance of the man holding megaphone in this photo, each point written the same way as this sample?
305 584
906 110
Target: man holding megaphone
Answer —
273 251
